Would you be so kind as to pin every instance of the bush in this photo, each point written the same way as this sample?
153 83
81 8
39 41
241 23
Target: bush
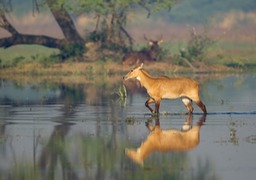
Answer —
197 47
71 50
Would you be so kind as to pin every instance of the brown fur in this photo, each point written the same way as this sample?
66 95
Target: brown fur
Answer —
164 87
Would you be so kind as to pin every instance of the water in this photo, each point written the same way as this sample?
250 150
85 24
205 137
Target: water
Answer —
58 130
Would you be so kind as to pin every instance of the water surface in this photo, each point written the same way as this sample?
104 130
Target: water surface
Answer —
51 130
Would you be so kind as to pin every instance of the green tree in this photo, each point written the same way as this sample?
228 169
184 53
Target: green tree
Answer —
110 23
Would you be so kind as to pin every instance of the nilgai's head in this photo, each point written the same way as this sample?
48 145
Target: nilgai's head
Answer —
154 43
133 73
154 46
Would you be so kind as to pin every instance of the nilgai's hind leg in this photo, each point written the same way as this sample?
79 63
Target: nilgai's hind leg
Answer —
202 106
187 103
157 105
199 103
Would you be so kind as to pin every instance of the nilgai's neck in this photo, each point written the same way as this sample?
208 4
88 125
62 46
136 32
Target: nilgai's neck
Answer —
145 79
152 51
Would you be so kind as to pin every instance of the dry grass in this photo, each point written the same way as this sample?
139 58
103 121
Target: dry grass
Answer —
95 68
84 72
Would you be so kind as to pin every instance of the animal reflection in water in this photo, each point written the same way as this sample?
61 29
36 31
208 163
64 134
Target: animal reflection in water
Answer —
167 140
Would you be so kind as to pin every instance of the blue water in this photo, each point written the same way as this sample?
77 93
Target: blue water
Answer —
57 131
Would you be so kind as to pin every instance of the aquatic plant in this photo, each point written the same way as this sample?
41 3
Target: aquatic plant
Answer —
122 91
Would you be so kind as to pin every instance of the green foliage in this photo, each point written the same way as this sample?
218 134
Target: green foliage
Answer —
11 63
122 91
110 22
71 50
178 60
197 47
48 61
24 171
17 55
102 7
17 60
162 53
111 19
95 36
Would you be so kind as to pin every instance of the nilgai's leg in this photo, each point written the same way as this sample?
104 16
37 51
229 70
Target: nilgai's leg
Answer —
157 105
150 100
199 103
187 103
202 106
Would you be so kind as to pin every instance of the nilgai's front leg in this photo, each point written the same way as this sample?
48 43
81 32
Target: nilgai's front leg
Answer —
157 105
150 100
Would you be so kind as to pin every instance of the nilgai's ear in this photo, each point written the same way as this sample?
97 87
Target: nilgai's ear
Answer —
150 43
160 41
141 66
137 62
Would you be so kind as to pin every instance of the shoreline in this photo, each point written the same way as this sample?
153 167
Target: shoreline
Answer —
106 68
110 72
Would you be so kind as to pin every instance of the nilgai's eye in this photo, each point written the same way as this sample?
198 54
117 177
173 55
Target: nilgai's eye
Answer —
132 70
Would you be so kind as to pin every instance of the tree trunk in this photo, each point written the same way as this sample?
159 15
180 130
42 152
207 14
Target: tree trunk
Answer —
71 45
65 22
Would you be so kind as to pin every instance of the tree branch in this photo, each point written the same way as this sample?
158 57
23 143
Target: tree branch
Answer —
127 35
18 38
146 8
5 24
31 39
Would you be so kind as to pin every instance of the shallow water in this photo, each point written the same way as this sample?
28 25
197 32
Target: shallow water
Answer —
82 131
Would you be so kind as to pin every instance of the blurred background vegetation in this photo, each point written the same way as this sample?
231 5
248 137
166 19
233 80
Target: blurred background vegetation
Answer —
196 32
